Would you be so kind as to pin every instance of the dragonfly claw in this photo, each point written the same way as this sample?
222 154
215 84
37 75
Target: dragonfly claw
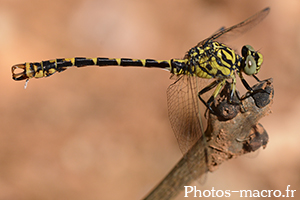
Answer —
19 75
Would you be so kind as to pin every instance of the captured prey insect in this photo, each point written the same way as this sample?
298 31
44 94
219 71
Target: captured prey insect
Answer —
209 59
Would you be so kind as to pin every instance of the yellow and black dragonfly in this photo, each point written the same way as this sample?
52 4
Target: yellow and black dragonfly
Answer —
209 59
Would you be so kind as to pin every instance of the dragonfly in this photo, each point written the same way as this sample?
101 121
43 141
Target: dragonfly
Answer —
209 59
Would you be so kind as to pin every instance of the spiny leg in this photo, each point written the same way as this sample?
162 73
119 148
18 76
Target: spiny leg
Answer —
206 89
250 89
256 78
246 85
219 83
233 90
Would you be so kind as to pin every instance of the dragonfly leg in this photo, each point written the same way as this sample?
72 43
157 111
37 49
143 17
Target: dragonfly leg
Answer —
206 89
256 78
219 83
233 90
250 89
246 85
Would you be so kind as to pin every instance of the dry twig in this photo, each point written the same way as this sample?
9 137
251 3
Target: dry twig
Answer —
234 131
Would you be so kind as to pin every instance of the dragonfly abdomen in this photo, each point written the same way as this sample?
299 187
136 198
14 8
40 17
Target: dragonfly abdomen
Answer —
49 67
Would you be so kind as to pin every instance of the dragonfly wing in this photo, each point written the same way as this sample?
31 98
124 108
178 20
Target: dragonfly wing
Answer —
183 107
225 34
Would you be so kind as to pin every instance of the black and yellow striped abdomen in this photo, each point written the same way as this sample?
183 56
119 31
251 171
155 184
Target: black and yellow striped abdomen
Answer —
49 67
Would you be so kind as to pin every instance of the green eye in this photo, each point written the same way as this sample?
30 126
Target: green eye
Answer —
252 60
250 65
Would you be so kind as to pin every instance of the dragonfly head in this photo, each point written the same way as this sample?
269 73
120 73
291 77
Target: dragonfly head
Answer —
251 61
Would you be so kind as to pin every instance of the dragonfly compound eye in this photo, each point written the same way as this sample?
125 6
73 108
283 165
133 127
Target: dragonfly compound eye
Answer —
250 65
252 60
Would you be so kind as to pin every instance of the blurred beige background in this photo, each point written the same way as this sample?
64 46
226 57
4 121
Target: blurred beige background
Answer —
103 133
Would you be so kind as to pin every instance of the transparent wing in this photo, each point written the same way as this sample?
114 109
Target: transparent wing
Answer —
184 109
225 34
185 116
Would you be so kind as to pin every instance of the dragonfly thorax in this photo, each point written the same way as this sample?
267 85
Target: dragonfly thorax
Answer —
212 60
